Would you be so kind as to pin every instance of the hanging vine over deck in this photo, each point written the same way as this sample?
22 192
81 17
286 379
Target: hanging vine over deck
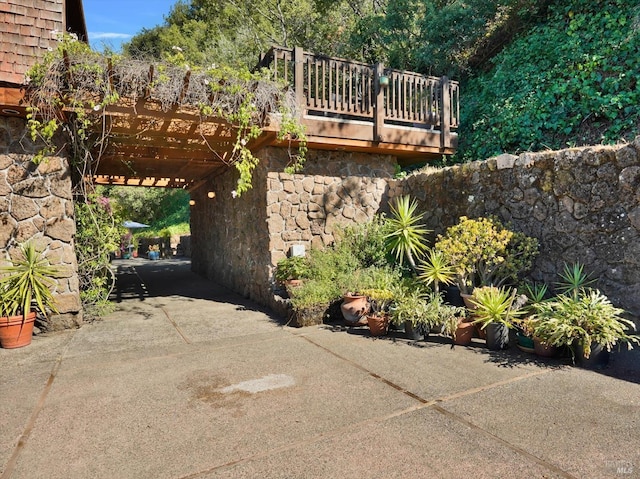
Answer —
76 98
75 89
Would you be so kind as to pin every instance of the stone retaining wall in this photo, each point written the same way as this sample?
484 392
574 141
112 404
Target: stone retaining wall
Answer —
583 204
238 241
36 204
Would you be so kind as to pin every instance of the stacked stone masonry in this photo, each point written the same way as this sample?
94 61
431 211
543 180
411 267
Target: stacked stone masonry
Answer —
583 204
238 241
36 205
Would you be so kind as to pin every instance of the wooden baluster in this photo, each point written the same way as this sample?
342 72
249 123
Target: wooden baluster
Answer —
308 70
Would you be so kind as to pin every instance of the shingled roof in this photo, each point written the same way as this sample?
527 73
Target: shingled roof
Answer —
27 30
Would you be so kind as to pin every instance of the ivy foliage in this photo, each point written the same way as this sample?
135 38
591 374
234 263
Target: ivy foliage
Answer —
571 80
97 236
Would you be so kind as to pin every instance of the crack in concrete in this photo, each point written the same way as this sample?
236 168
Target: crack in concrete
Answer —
24 437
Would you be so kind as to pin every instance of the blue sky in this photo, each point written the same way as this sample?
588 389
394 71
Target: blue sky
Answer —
112 22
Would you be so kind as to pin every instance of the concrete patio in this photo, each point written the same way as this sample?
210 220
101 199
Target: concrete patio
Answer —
188 380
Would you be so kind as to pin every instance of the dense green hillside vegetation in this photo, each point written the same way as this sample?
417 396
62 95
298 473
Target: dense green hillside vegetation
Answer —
572 79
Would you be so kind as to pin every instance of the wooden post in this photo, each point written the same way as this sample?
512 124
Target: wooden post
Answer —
298 79
445 113
378 105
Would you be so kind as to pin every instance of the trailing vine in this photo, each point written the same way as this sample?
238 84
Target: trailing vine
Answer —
69 90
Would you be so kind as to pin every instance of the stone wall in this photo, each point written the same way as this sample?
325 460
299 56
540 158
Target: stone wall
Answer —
583 204
36 204
238 241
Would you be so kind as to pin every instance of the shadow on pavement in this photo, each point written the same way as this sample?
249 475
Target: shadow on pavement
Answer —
139 279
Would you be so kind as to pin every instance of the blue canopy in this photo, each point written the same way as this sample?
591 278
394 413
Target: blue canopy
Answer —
134 224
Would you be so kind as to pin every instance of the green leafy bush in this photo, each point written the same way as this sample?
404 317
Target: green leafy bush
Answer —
294 267
571 80
355 262
483 252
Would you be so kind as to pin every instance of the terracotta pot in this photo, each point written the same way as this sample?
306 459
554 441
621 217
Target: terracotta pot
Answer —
378 325
481 333
16 332
354 309
543 349
464 334
292 283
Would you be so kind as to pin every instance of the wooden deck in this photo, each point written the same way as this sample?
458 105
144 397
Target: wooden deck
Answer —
344 105
354 106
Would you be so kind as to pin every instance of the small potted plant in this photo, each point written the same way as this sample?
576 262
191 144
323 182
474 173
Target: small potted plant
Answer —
495 311
24 284
535 293
290 271
411 309
378 318
587 323
455 324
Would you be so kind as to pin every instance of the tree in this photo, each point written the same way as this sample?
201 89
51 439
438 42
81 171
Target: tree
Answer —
235 32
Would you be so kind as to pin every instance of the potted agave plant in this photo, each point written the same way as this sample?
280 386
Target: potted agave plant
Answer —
378 317
24 284
496 310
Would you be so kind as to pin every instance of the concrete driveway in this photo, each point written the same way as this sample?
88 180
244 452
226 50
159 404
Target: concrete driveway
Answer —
188 380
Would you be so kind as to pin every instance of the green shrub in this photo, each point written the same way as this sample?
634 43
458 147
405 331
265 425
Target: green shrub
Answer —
367 241
294 267
485 253
356 262
571 80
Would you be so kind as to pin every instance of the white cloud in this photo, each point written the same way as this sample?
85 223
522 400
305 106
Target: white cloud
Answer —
109 36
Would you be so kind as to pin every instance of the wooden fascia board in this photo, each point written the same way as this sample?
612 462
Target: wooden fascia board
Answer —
12 98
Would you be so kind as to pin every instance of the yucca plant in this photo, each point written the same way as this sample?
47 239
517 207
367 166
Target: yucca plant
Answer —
27 280
406 239
495 305
573 279
436 270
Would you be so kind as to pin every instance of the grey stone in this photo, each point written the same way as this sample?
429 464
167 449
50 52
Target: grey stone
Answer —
626 156
505 161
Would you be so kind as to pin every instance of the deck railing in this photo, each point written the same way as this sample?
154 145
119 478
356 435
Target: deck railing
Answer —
351 90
